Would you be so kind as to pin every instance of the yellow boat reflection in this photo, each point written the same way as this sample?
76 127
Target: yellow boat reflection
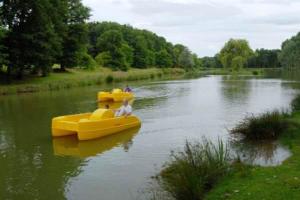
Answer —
71 146
113 105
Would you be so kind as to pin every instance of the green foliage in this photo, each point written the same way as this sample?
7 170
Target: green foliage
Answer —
128 53
290 53
269 125
3 54
87 62
163 59
43 32
75 37
190 174
296 104
211 62
31 40
186 59
103 58
109 79
264 58
237 63
235 53
140 48
112 42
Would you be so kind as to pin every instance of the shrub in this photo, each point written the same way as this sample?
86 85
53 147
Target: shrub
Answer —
269 125
190 174
296 104
109 79
255 73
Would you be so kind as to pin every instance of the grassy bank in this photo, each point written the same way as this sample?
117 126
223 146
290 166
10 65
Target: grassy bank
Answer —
80 78
280 182
243 72
205 171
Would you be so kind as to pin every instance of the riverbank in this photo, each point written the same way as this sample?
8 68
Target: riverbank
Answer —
79 78
243 72
280 182
208 171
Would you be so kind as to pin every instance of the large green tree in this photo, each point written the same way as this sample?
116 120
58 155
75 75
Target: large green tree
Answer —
186 59
31 40
290 53
235 53
112 43
75 36
264 58
3 50
163 59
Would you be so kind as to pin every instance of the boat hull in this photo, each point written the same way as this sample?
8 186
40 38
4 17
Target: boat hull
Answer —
91 129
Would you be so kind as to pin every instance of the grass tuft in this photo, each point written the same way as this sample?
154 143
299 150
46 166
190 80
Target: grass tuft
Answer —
190 174
269 125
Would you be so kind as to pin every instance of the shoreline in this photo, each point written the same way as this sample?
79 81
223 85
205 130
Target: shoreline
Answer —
272 182
82 78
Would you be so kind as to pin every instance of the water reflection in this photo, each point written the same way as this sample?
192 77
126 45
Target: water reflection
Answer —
236 90
71 146
264 153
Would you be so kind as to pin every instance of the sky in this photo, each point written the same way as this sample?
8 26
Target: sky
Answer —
205 25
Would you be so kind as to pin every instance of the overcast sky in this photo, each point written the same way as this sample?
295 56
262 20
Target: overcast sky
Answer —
204 25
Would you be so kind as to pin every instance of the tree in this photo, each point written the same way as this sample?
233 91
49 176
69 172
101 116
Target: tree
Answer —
31 40
290 53
128 53
3 54
185 59
75 37
141 53
163 59
264 58
112 42
235 53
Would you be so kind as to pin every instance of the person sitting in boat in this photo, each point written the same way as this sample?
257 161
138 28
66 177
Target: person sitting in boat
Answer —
127 89
124 110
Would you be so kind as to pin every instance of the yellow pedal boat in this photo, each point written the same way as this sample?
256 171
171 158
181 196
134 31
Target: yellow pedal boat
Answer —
89 126
113 105
117 95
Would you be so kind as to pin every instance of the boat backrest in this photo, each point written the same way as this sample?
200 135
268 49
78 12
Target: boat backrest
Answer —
117 90
101 114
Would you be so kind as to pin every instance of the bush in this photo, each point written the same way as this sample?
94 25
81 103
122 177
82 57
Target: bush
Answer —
109 79
88 62
269 125
255 73
296 104
192 173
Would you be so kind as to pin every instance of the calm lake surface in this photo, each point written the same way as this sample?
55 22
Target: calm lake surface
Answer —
35 166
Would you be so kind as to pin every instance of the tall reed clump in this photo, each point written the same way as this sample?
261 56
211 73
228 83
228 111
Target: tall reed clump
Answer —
269 125
296 104
190 174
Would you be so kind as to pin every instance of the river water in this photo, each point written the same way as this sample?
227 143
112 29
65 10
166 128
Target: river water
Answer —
36 166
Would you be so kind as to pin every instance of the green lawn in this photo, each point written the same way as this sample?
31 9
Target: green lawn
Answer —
274 183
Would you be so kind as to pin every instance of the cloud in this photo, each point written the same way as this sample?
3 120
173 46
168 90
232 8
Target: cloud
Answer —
205 25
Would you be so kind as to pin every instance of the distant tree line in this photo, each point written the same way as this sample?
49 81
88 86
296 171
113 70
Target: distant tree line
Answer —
122 46
36 35
237 53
